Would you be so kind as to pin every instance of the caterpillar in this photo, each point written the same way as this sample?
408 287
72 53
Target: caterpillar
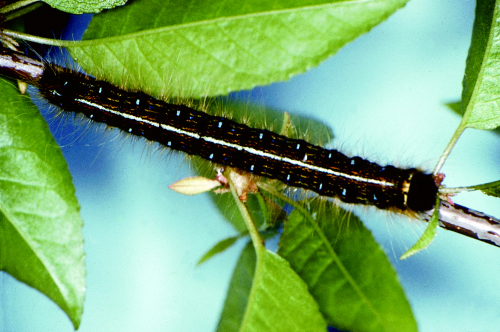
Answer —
220 140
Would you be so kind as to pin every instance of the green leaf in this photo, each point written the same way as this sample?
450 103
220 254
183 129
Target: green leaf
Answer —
80 7
41 242
346 271
481 85
218 248
239 291
428 235
279 299
213 48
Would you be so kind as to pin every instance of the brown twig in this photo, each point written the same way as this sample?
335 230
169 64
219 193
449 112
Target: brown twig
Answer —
468 222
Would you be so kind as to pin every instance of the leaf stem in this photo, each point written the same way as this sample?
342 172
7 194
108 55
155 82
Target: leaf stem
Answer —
30 6
461 127
40 40
257 241
16 5
470 188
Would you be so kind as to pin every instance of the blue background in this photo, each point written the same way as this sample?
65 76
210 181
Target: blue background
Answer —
384 97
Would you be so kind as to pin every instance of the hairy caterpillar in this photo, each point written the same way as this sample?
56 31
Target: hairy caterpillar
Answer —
223 141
